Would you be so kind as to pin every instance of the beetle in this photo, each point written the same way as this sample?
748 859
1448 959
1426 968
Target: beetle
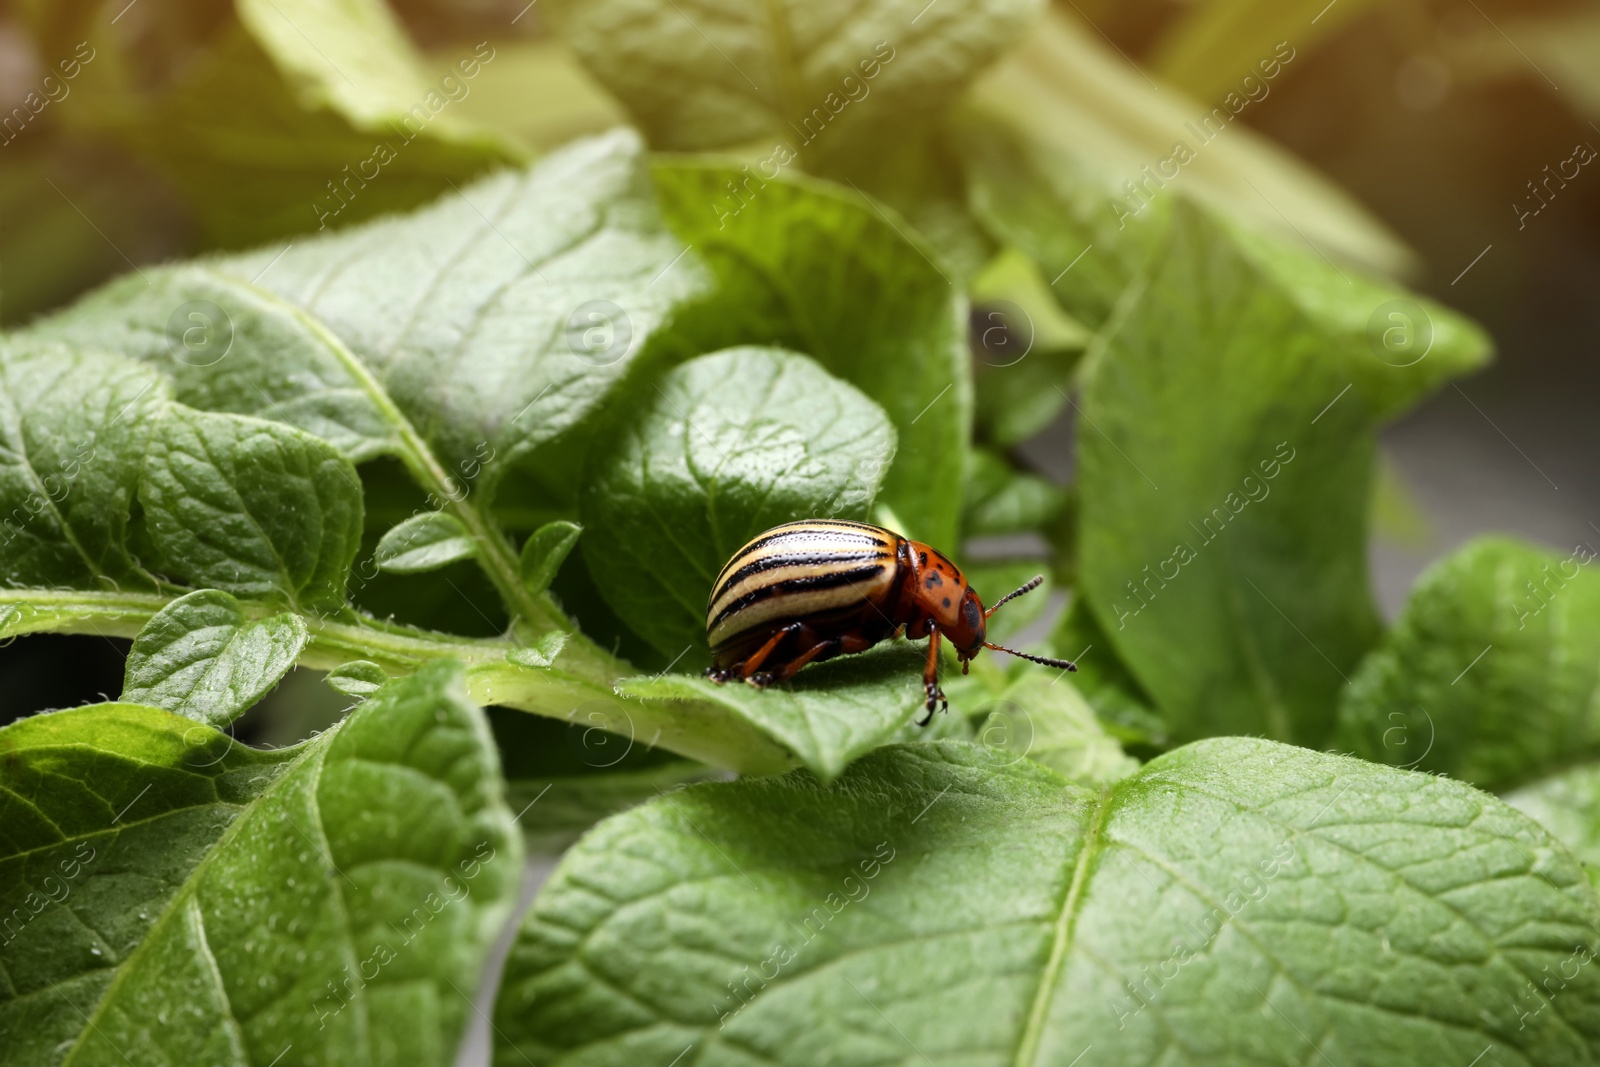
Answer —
811 590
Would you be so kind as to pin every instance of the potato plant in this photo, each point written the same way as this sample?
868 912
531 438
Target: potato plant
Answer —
478 453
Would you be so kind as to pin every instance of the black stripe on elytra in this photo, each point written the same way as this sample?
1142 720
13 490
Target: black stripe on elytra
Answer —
808 583
797 559
800 531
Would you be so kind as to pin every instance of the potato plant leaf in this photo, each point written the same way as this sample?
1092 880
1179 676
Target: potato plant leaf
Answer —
1026 349
544 552
541 654
189 899
826 716
251 507
1077 159
1568 805
229 346
358 678
423 542
724 447
107 811
809 266
73 430
458 377
1230 573
203 658
1491 672
1002 500
1027 711
279 116
933 903
702 75
1116 696
560 279
505 314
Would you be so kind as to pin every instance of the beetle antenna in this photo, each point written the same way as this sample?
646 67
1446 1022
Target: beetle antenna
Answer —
1063 664
1026 587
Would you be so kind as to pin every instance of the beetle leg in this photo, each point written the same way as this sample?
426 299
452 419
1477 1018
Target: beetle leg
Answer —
747 670
930 681
844 644
788 670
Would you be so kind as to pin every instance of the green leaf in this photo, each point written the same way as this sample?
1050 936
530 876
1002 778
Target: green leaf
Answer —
1230 573
1110 688
542 654
725 446
801 264
1026 711
559 807
423 542
544 552
1397 515
353 59
228 346
702 76
202 657
1568 805
503 316
1026 351
1065 145
917 173
827 715
1491 672
107 810
358 678
1238 901
289 116
855 94
1015 402
1062 732
251 507
493 364
217 905
73 427
1003 500
442 373
536 91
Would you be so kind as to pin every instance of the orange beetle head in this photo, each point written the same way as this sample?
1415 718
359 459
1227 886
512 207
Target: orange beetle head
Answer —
967 627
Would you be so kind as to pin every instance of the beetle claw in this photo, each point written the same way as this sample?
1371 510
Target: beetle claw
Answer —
762 679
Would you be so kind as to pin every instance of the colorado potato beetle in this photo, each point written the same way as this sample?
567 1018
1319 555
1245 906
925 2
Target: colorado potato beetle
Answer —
811 590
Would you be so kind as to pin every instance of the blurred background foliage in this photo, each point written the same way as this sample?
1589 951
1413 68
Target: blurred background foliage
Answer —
1403 136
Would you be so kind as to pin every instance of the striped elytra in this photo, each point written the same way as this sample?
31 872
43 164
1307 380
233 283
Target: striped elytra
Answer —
799 569
810 590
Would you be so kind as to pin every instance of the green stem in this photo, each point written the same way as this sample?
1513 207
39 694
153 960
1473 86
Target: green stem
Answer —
570 690
400 649
537 615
